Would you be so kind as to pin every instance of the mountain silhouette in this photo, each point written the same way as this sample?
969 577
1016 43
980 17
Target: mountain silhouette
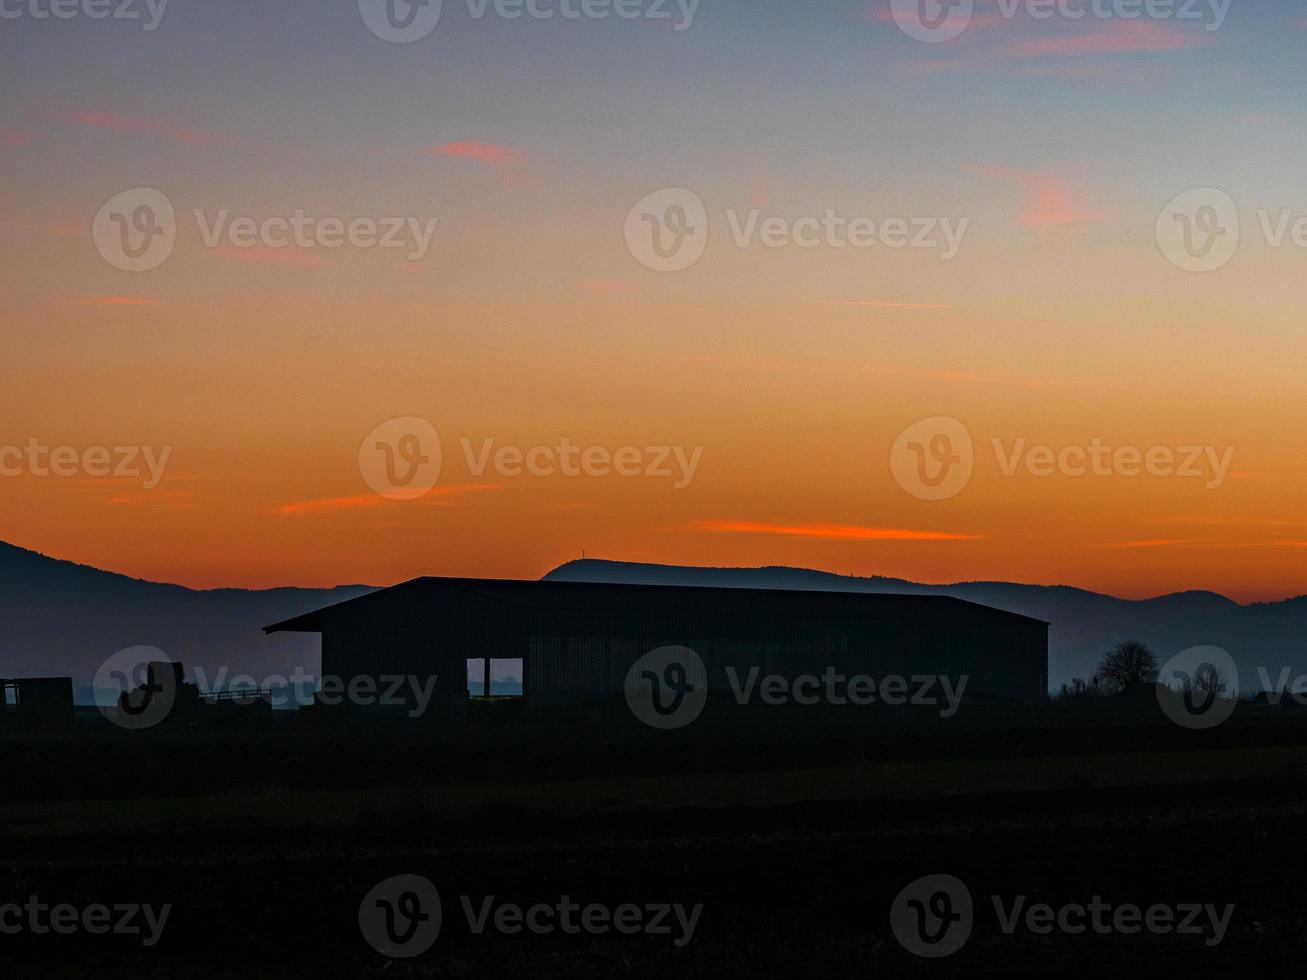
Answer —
65 619
1084 625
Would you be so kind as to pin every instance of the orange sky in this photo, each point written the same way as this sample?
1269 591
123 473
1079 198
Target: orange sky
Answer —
794 370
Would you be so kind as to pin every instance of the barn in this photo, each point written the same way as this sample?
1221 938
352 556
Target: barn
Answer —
577 641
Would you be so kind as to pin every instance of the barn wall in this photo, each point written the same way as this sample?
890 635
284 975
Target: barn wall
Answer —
435 637
577 657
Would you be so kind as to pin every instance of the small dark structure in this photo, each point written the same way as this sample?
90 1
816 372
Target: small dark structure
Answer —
41 701
577 641
177 701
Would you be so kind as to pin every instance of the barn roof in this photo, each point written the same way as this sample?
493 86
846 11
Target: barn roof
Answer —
598 597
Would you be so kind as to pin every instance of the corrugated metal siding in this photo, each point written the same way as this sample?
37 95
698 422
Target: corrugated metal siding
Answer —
574 656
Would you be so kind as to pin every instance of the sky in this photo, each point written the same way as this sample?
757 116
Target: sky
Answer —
1029 287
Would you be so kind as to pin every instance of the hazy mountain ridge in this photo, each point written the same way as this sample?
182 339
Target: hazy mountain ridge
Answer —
1083 624
62 618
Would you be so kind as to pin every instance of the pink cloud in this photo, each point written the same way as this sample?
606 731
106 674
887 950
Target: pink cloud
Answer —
839 532
980 20
1116 37
1149 543
1049 200
179 498
117 301
882 306
157 128
62 228
297 257
493 154
440 496
14 137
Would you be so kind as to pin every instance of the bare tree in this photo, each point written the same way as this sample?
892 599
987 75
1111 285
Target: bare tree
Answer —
1130 666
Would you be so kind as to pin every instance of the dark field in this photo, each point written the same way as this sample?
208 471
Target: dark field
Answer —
795 836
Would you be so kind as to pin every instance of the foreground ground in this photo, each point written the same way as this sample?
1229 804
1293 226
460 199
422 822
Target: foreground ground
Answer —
795 838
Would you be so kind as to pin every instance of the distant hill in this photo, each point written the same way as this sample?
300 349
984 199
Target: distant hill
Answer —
1084 624
62 619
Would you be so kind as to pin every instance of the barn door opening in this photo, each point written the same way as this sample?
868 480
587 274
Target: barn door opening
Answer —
494 677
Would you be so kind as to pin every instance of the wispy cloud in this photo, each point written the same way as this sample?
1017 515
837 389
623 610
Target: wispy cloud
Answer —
1197 520
1049 198
493 154
440 496
280 256
882 306
178 498
157 128
838 532
1115 36
1146 543
14 138
58 228
117 301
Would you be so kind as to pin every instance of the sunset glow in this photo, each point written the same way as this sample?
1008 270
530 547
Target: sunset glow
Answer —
527 320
